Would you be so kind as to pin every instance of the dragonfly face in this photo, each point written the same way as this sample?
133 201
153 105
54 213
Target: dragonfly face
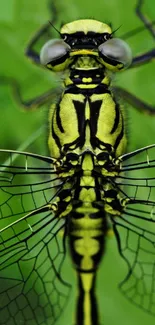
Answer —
94 41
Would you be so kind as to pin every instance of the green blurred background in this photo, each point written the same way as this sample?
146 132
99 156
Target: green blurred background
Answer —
19 20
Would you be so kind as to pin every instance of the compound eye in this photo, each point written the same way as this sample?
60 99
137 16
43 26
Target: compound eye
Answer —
116 50
53 50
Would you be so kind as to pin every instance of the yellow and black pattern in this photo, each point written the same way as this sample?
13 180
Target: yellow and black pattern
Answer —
96 139
84 191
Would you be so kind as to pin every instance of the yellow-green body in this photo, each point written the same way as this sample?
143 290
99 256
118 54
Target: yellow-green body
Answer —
86 133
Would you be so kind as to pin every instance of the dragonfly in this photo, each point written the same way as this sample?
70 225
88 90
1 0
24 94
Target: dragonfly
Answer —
88 186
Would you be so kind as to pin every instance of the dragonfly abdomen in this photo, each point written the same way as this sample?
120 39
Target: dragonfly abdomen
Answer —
87 246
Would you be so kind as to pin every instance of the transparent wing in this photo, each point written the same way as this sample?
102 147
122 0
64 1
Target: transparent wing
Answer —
135 229
25 184
32 252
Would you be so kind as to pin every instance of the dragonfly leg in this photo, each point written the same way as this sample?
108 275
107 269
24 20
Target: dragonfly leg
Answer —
149 55
134 101
33 103
45 32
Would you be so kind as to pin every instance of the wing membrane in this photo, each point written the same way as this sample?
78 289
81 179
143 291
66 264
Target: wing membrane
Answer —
32 253
135 229
137 174
136 242
32 291
26 184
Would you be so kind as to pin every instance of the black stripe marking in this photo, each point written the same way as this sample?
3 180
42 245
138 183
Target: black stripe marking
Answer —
58 119
94 111
100 89
80 112
55 137
94 309
76 143
87 73
89 40
112 62
120 136
59 60
117 116
95 74
80 312
80 303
